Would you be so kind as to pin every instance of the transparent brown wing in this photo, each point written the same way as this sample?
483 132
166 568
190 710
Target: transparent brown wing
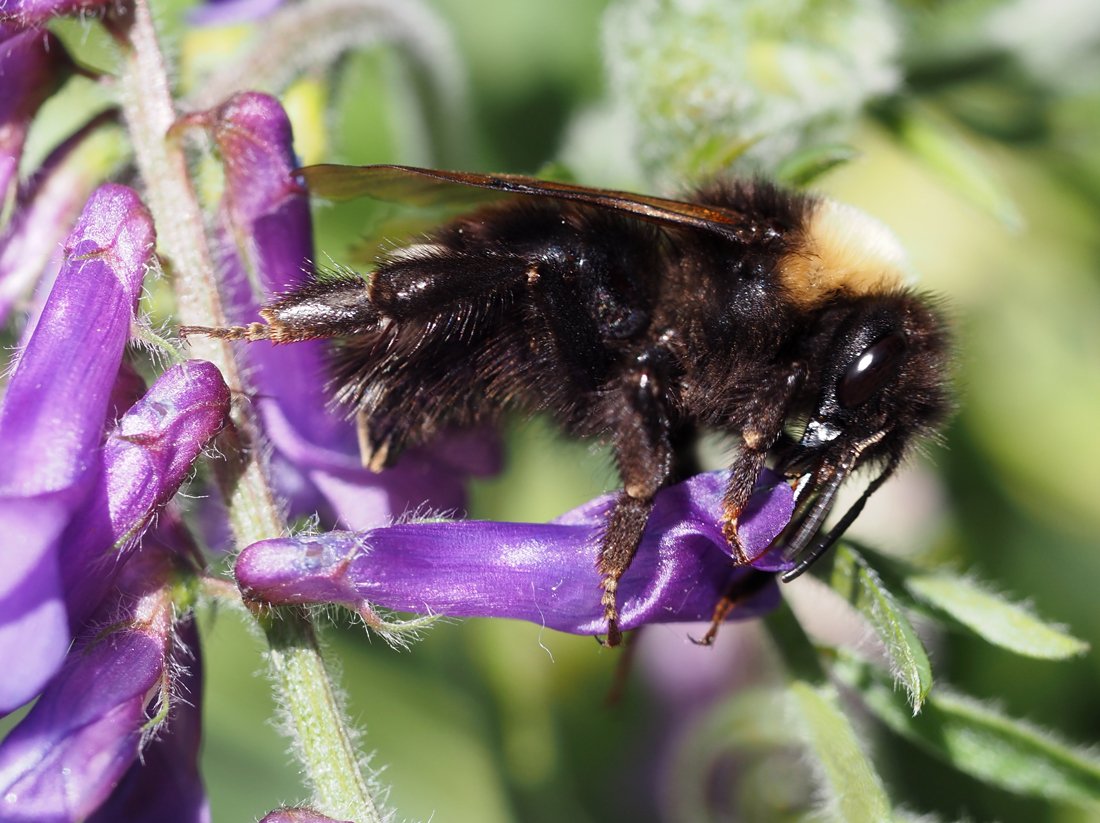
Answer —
423 187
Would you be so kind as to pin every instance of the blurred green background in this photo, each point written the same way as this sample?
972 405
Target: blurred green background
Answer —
989 171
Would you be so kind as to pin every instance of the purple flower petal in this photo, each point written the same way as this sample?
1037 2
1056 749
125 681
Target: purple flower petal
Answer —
146 458
64 758
298 815
267 240
267 236
34 628
543 573
29 13
56 401
32 66
164 786
83 735
51 425
255 141
45 211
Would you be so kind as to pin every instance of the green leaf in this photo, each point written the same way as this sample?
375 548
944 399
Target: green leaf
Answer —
991 617
854 580
852 790
969 605
847 781
713 156
981 741
807 165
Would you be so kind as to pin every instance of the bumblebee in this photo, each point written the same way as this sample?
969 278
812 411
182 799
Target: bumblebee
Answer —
783 319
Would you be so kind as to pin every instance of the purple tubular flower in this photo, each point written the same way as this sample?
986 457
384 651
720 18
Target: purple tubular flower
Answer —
28 13
66 757
45 210
543 573
268 245
46 767
51 425
298 815
75 350
164 786
32 66
145 459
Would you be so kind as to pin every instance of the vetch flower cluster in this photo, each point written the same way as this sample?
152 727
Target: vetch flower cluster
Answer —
78 489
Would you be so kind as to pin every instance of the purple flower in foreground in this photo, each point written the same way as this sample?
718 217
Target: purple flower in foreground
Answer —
77 749
164 785
543 573
146 458
51 425
266 239
36 12
298 815
73 507
83 736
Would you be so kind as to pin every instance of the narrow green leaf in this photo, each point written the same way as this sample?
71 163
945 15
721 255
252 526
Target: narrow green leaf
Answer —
713 156
969 605
982 742
854 580
852 789
1008 625
805 166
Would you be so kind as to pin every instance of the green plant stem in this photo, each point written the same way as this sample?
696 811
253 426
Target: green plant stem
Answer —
329 762
321 736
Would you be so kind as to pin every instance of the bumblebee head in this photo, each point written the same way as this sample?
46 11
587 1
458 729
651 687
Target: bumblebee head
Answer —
882 387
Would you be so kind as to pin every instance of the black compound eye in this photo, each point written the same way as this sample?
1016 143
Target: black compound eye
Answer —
869 372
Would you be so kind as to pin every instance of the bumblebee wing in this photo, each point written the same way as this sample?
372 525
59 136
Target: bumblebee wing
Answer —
422 187
396 184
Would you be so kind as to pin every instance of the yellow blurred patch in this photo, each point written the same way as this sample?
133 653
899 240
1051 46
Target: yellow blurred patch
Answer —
305 103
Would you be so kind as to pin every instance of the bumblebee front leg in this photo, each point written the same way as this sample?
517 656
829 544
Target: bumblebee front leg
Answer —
743 473
755 444
644 455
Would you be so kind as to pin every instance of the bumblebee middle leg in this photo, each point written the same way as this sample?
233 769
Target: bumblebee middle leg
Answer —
644 453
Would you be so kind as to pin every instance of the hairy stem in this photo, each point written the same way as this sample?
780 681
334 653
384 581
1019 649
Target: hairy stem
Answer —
320 736
330 764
